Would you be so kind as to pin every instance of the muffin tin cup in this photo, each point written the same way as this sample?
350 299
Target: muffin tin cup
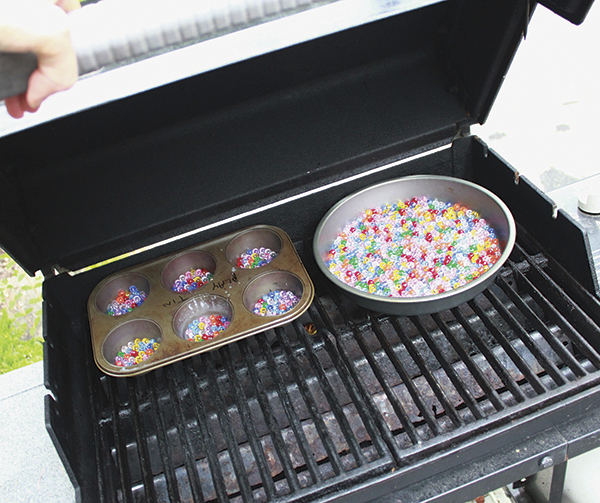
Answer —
268 282
165 314
127 332
251 239
183 263
110 289
201 305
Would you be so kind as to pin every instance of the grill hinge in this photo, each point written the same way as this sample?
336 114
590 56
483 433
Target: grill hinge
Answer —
54 270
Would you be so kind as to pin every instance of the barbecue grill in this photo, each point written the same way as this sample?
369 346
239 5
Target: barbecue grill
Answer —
341 404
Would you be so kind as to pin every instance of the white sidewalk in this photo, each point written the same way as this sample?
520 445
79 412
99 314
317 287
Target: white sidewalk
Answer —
31 469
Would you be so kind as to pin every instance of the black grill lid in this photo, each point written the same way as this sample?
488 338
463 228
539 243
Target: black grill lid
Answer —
573 10
136 171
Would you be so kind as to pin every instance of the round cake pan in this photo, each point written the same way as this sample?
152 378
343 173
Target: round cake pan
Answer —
446 189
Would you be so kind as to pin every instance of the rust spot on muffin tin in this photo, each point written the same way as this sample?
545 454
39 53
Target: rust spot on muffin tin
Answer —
165 314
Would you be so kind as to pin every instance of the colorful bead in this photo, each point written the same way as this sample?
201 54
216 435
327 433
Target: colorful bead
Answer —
206 328
191 280
415 248
129 356
125 302
256 257
275 303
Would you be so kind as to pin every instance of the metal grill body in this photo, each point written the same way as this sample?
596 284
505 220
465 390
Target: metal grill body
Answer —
346 398
341 404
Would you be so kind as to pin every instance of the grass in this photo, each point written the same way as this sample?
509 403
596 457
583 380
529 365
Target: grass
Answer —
20 316
14 351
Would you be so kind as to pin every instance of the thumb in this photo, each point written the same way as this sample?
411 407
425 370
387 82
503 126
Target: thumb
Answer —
16 106
56 71
68 5
40 87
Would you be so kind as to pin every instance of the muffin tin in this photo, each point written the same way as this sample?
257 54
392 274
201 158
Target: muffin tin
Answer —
165 314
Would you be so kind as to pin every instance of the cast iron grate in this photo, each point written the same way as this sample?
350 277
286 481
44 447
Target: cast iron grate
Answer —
342 395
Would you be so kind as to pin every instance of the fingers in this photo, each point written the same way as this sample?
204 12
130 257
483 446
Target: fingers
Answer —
16 106
56 71
68 5
41 27
40 87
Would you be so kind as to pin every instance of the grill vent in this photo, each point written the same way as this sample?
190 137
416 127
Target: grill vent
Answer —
342 395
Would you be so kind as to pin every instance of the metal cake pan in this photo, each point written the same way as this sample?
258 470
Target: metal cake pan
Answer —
444 188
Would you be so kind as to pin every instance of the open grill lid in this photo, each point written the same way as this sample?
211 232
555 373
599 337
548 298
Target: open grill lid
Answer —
573 10
154 165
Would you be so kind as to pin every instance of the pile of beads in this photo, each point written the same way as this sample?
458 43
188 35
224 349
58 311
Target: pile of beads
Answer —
256 257
206 328
126 301
191 280
275 303
136 352
415 248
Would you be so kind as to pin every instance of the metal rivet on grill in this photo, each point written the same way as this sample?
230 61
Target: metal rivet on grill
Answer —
310 328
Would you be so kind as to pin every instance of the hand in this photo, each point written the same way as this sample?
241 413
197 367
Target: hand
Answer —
39 26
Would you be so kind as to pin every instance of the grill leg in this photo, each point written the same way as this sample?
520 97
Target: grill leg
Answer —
543 487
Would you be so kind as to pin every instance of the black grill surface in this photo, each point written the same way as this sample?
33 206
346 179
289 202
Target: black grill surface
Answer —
342 396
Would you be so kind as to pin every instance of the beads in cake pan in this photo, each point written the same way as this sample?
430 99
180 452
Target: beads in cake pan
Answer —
191 280
206 328
126 301
135 352
414 248
255 257
274 303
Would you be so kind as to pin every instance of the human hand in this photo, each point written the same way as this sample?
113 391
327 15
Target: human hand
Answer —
39 26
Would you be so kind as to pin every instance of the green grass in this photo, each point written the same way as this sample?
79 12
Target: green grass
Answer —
14 351
20 316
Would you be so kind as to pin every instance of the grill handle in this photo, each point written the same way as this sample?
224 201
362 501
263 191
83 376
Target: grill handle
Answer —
115 32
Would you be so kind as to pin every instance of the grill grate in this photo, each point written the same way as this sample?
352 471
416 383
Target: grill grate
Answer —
342 395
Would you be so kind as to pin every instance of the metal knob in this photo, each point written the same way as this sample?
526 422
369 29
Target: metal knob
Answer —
546 462
589 199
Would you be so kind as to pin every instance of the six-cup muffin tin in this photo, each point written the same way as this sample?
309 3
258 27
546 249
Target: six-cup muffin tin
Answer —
165 314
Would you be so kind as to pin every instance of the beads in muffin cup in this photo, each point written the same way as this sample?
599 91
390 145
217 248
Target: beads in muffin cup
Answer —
132 343
205 328
275 303
136 351
192 280
188 271
126 301
273 293
255 257
122 294
203 318
253 248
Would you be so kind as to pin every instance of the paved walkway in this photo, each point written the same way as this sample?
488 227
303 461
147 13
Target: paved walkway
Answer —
31 469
